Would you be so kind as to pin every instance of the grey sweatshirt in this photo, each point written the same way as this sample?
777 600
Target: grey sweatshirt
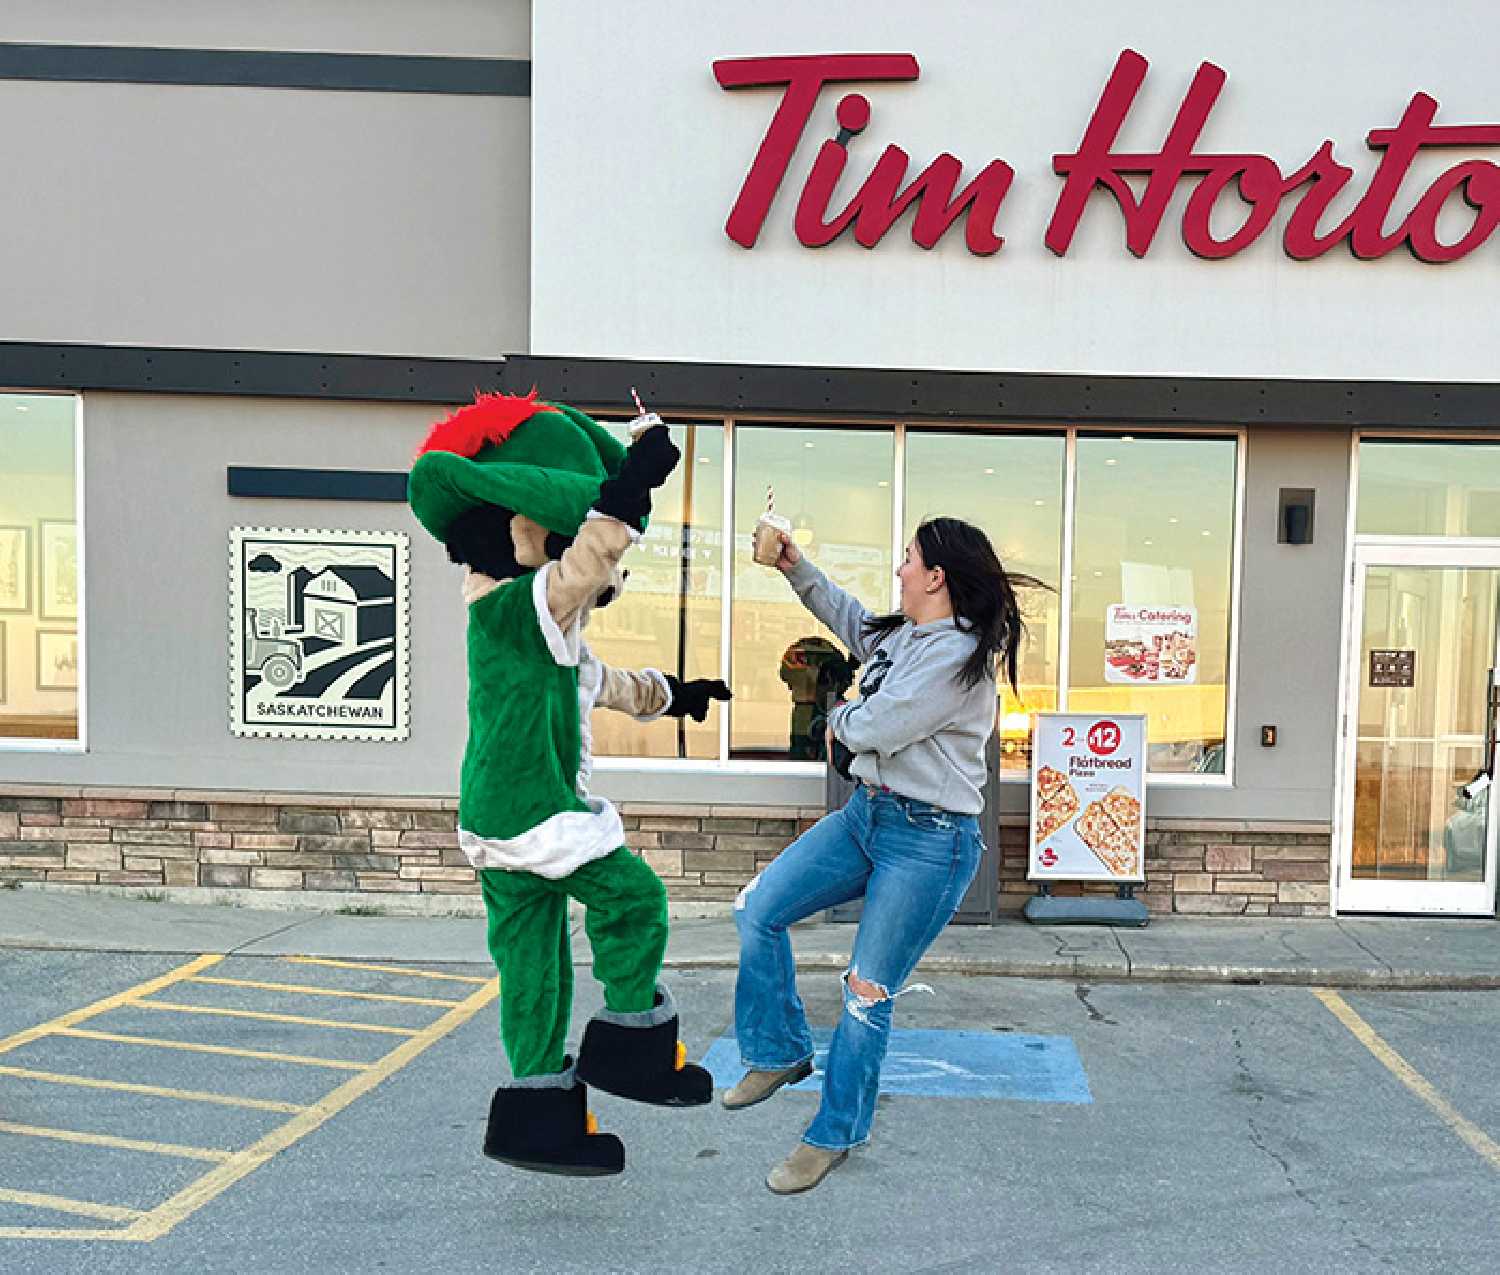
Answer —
914 729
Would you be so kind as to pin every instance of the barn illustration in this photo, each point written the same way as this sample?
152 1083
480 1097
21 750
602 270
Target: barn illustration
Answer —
341 606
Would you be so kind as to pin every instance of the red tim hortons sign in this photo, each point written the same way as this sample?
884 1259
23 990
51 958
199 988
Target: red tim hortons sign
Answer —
1258 182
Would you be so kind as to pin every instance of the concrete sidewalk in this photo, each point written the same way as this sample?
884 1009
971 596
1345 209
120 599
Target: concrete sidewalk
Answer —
1399 952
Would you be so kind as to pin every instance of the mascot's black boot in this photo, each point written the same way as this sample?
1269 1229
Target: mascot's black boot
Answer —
638 1056
548 1129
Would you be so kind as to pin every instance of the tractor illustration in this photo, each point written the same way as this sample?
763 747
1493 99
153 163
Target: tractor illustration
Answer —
277 659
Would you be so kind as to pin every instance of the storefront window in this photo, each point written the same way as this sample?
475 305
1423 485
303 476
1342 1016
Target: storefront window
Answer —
1428 489
835 487
1141 625
40 584
1152 586
669 616
1011 487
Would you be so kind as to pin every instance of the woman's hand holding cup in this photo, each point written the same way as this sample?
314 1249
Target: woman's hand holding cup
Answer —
790 554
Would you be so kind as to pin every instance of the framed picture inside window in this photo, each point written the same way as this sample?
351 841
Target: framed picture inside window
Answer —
59 557
15 569
56 660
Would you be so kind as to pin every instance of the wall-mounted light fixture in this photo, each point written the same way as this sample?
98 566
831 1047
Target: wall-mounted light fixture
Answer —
1294 516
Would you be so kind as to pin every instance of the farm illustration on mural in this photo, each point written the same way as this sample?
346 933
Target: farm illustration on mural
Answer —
318 633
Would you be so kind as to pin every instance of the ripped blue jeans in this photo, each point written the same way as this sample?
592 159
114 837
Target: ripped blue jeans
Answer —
912 863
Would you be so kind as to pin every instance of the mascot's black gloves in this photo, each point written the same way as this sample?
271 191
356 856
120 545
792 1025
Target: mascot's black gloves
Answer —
648 462
690 699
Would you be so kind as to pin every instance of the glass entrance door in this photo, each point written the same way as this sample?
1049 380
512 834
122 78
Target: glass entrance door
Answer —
1416 831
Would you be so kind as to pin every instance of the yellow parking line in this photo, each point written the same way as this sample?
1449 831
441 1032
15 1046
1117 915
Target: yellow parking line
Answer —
121 1144
385 969
338 1064
57 1233
153 1091
74 1017
104 1212
164 1217
1471 1134
308 990
276 1018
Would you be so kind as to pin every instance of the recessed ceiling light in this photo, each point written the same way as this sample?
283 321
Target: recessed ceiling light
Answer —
1208 533
21 407
1111 461
989 471
1127 438
1038 503
1148 542
807 444
882 483
703 460
1098 573
1172 520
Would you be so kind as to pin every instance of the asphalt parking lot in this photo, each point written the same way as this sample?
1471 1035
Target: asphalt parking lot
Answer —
283 1114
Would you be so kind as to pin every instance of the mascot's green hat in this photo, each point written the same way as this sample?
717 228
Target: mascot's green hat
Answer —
543 460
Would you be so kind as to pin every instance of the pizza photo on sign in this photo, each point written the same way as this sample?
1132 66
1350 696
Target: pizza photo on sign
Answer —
1059 802
1110 827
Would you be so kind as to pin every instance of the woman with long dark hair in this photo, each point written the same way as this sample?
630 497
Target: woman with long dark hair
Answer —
907 841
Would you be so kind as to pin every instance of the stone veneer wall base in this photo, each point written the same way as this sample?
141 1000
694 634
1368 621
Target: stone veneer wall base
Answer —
400 855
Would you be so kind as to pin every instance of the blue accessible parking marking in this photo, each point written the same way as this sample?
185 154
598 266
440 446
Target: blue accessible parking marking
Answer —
948 1064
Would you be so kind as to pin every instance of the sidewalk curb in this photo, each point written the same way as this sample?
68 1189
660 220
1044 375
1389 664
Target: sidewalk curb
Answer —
1364 980
1080 971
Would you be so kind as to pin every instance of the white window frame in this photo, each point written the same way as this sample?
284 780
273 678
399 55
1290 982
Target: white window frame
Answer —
21 744
724 765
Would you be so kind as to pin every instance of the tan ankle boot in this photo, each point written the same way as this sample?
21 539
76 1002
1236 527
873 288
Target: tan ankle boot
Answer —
804 1169
757 1086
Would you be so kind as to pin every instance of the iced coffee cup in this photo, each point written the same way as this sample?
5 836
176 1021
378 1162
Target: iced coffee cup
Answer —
768 531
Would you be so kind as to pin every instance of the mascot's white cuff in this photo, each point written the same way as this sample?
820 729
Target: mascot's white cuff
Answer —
565 648
635 536
557 847
660 678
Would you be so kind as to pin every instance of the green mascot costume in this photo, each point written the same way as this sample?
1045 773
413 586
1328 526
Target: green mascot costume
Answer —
540 503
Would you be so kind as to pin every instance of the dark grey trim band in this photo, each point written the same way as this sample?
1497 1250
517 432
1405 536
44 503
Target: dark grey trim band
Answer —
999 396
317 484
267 69
250 373
731 387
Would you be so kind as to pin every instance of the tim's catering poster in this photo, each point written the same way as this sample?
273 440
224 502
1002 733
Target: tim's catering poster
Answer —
1088 797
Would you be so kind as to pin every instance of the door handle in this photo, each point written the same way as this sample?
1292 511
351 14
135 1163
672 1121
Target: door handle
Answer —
1492 703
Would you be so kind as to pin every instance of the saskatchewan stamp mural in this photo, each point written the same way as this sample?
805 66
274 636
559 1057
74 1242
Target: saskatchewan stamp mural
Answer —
318 634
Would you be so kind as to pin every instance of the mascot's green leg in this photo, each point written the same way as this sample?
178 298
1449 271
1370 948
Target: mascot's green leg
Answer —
540 1120
631 1047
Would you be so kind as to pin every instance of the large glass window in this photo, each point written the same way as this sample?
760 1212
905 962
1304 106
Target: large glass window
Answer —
1152 585
40 584
669 616
1428 489
834 485
1137 618
1011 487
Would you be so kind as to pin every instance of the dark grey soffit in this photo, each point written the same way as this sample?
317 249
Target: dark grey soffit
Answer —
250 373
1000 396
604 384
266 69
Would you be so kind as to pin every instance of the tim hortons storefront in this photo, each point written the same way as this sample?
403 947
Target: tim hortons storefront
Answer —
1195 332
